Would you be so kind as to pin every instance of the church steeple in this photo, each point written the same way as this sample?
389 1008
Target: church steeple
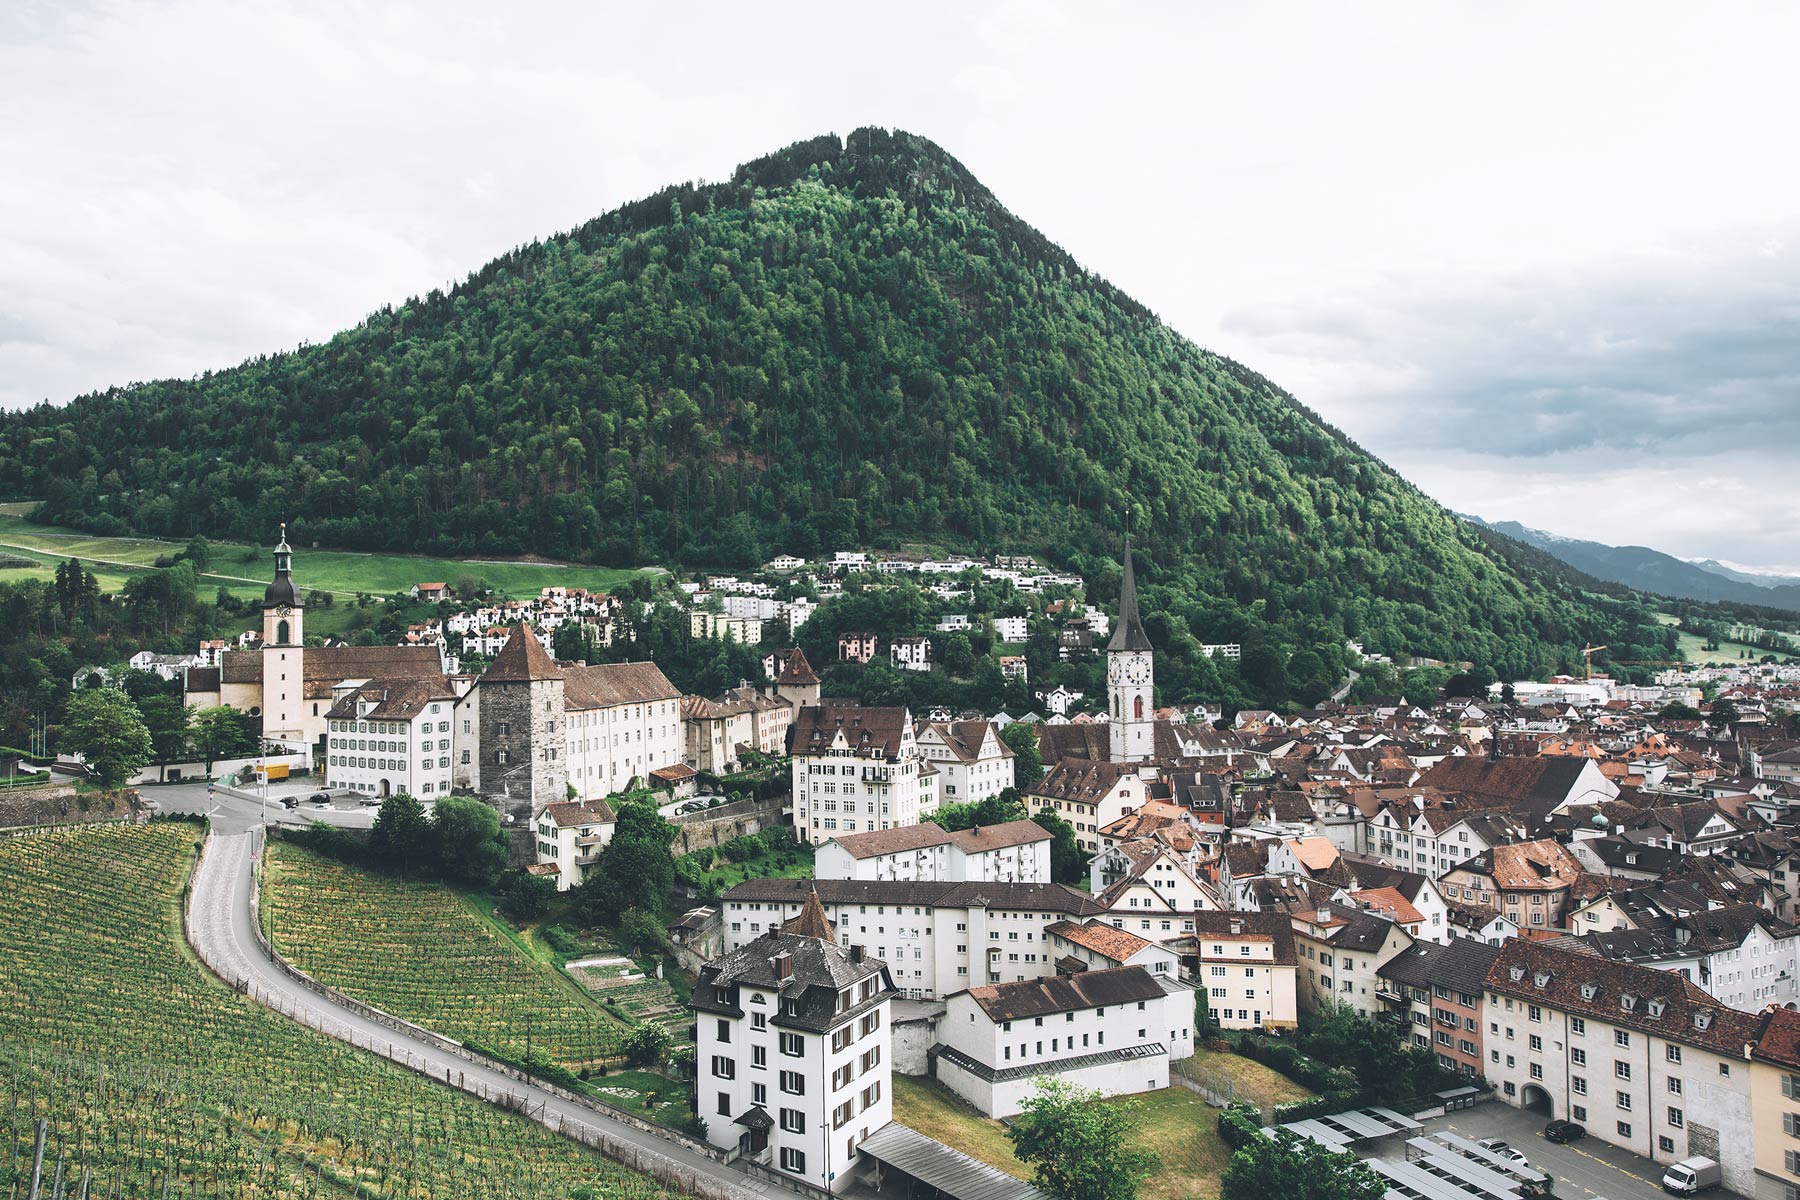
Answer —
1130 678
281 589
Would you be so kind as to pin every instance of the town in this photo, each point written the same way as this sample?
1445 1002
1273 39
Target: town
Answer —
1575 898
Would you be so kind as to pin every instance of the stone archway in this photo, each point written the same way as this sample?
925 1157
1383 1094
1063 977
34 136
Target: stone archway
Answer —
385 789
1536 1099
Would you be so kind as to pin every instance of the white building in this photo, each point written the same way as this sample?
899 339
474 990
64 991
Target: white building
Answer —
1010 629
1115 1031
936 938
858 769
910 653
1016 852
1096 946
623 722
1638 1056
725 628
971 760
792 1058
386 738
570 837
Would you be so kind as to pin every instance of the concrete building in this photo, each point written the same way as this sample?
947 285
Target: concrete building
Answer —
1115 1031
1249 965
719 731
1642 1058
792 1065
570 836
386 738
1015 852
936 938
971 760
856 770
1434 994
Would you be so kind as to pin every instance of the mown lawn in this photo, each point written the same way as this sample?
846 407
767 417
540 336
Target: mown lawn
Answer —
1254 1082
1174 1124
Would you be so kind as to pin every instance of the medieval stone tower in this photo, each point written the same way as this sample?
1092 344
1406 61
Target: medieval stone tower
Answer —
524 746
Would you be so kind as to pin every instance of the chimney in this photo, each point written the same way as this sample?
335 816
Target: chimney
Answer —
1324 915
857 954
784 966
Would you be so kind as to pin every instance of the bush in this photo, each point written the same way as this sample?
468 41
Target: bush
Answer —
526 897
1239 1123
645 1045
561 939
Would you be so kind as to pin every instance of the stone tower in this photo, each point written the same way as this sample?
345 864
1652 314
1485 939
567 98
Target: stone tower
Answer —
523 745
1130 679
283 651
798 683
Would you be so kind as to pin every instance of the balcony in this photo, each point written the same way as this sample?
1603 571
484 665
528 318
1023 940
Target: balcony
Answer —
1387 992
587 860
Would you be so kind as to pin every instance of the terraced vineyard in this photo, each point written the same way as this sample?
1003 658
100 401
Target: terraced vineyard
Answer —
162 1082
618 980
416 950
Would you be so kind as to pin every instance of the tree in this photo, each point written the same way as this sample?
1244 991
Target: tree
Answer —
1066 858
1021 738
645 1045
220 732
636 867
1204 1025
641 933
470 845
105 728
401 836
1296 1169
524 896
198 552
1722 715
1675 710
167 720
1081 1144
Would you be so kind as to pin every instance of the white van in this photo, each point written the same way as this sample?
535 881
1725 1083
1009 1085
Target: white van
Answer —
1691 1175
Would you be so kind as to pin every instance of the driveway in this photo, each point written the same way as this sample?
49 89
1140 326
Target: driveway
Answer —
233 811
1588 1169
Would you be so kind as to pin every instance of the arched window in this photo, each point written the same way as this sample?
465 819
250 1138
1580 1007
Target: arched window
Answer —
281 634
1137 708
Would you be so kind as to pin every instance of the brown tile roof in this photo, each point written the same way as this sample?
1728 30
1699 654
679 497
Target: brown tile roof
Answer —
1081 780
1252 926
569 813
323 666
1533 785
878 842
1116 944
964 738
871 732
202 679
1543 865
1780 1040
605 685
400 700
1068 993
522 659
1626 994
811 922
796 670
998 837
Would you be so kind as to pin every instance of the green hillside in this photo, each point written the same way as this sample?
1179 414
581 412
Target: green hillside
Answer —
848 342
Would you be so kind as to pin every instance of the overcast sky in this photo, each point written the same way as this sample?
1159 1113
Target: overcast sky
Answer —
1544 259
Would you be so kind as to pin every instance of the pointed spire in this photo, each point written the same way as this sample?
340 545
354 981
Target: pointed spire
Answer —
1129 633
811 922
521 660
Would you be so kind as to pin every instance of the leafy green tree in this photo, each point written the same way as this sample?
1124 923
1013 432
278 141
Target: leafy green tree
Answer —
526 897
106 729
645 1045
1067 861
636 867
168 722
198 552
1028 761
1722 715
641 933
989 810
1082 1146
220 732
471 848
401 838
1293 1168
1675 710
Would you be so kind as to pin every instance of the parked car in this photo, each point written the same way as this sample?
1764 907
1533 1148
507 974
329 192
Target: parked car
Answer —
1691 1175
320 798
290 802
1500 1147
1564 1132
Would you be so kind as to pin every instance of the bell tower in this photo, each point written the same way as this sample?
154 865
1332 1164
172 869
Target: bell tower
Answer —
1130 679
284 649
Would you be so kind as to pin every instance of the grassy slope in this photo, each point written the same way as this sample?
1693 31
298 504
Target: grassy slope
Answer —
419 951
146 1065
340 571
1693 647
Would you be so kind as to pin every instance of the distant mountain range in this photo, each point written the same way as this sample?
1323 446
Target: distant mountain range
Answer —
1653 571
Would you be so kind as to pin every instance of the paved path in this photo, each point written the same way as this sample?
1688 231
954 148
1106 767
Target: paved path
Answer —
221 933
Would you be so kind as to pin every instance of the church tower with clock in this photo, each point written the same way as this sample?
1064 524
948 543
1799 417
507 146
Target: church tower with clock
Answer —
283 650
1130 680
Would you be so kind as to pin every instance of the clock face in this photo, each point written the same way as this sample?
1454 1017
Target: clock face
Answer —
283 609
1137 671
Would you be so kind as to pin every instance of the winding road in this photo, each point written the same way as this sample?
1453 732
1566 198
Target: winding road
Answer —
221 930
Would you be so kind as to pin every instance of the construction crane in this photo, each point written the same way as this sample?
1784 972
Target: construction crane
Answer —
1587 658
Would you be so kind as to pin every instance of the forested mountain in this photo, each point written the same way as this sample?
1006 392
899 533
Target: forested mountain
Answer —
850 342
1653 571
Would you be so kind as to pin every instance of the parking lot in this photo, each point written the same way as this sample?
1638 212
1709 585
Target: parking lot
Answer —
1583 1171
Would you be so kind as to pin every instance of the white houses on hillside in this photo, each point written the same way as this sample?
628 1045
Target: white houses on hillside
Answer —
570 836
972 762
791 1062
1116 1031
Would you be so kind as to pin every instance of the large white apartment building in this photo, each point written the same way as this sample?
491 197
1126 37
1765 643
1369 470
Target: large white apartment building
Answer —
791 1061
1113 1030
936 938
1642 1058
1014 852
857 769
971 760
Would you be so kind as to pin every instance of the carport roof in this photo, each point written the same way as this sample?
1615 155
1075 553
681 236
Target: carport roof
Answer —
949 1171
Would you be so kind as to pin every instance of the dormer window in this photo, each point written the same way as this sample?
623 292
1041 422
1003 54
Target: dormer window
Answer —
1541 980
1516 973
1588 990
1654 1008
1702 1018
1628 1002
